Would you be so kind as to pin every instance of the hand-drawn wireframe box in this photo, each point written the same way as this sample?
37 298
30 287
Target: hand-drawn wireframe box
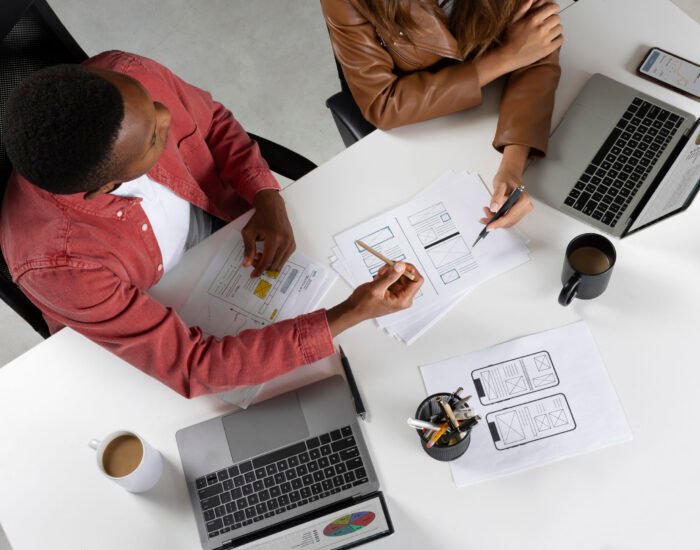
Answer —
531 421
515 378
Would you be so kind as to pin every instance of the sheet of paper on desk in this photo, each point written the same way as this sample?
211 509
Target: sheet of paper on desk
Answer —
433 231
226 300
541 398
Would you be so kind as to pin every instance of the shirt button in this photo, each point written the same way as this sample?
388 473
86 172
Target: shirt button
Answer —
160 267
144 227
120 213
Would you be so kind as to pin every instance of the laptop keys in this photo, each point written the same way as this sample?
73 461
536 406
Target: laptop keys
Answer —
632 148
210 491
280 481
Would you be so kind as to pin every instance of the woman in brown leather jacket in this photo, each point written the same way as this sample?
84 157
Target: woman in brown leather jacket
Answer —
412 60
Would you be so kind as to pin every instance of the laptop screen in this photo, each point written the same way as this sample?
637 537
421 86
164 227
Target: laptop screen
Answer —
677 187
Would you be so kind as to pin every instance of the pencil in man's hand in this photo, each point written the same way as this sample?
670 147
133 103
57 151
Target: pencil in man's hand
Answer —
383 258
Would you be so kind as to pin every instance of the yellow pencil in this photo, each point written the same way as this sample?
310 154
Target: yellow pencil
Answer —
437 435
383 258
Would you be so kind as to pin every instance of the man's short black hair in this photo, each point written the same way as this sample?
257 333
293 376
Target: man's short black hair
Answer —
62 124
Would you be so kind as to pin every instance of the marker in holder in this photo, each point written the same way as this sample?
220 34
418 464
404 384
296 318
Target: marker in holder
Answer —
451 444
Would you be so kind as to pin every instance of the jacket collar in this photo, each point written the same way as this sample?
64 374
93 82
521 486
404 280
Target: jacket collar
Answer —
432 34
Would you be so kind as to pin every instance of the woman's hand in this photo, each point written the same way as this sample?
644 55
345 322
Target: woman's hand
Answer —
506 180
534 32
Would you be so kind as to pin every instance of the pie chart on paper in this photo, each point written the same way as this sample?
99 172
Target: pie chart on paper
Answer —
349 524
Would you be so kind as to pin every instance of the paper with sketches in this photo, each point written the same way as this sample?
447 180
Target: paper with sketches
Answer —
434 231
541 398
226 300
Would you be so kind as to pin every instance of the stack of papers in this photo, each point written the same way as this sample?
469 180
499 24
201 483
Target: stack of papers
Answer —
226 300
434 231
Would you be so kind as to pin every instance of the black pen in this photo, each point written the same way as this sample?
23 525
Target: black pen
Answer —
514 196
359 406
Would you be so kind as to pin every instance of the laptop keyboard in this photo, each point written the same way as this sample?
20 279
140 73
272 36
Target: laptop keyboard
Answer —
624 161
279 481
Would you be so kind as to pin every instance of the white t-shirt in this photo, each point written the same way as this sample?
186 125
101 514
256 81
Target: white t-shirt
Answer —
177 224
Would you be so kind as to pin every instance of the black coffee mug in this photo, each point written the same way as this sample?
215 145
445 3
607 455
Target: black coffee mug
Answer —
588 264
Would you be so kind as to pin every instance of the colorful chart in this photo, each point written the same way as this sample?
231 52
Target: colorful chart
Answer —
348 524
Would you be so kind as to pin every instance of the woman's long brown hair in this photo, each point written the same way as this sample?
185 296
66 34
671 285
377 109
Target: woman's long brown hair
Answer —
476 24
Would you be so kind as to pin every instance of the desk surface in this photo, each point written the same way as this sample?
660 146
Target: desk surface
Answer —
67 390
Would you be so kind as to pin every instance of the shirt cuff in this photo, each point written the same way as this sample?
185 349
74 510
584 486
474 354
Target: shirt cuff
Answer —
255 181
315 339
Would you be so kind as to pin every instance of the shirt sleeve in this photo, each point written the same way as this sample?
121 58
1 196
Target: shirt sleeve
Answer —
526 106
153 338
236 156
386 99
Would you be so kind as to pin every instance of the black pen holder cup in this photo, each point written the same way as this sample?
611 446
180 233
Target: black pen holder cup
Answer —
428 408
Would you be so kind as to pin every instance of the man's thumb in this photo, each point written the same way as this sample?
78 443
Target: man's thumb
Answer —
392 275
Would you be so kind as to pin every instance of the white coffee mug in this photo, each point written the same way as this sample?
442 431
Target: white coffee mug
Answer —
144 476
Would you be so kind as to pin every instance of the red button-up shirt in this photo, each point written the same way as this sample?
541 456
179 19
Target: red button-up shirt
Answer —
88 264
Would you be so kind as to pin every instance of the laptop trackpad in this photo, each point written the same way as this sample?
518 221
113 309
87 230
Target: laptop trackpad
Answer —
264 427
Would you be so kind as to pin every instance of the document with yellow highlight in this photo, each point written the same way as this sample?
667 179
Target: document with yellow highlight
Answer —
226 300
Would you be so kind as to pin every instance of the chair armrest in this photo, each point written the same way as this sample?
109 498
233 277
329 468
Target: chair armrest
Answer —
346 113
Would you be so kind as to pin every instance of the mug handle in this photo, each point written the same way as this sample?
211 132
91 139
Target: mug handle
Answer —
94 444
569 291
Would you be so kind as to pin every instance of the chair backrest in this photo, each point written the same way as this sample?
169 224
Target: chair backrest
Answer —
32 37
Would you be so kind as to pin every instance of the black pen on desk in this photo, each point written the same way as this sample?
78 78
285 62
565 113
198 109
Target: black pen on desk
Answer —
359 406
502 211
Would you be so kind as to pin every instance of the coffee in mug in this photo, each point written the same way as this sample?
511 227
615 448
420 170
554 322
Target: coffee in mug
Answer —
589 260
125 458
122 456
587 268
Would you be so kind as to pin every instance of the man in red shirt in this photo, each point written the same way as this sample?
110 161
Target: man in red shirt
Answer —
86 253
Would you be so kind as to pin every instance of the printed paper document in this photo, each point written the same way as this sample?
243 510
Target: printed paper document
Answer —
433 231
541 398
226 300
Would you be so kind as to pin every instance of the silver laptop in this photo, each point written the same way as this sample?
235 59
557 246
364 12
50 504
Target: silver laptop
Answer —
257 472
620 160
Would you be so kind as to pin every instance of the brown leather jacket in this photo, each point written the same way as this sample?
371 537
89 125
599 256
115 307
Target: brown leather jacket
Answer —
396 82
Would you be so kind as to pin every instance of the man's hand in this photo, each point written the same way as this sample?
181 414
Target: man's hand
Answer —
270 225
388 293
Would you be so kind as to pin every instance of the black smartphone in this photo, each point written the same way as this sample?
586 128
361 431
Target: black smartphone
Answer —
671 71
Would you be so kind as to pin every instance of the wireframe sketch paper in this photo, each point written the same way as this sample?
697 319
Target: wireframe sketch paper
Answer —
226 300
433 231
541 398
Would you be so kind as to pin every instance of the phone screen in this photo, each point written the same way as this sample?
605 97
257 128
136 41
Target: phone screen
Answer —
673 71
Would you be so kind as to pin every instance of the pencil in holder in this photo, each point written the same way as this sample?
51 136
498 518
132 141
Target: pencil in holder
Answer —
451 445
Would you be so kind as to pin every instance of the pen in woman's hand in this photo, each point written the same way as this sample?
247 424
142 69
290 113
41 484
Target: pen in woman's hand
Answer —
502 211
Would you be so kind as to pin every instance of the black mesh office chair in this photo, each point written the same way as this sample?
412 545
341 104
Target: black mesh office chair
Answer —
32 37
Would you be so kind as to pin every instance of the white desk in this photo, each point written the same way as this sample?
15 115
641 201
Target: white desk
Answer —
67 390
